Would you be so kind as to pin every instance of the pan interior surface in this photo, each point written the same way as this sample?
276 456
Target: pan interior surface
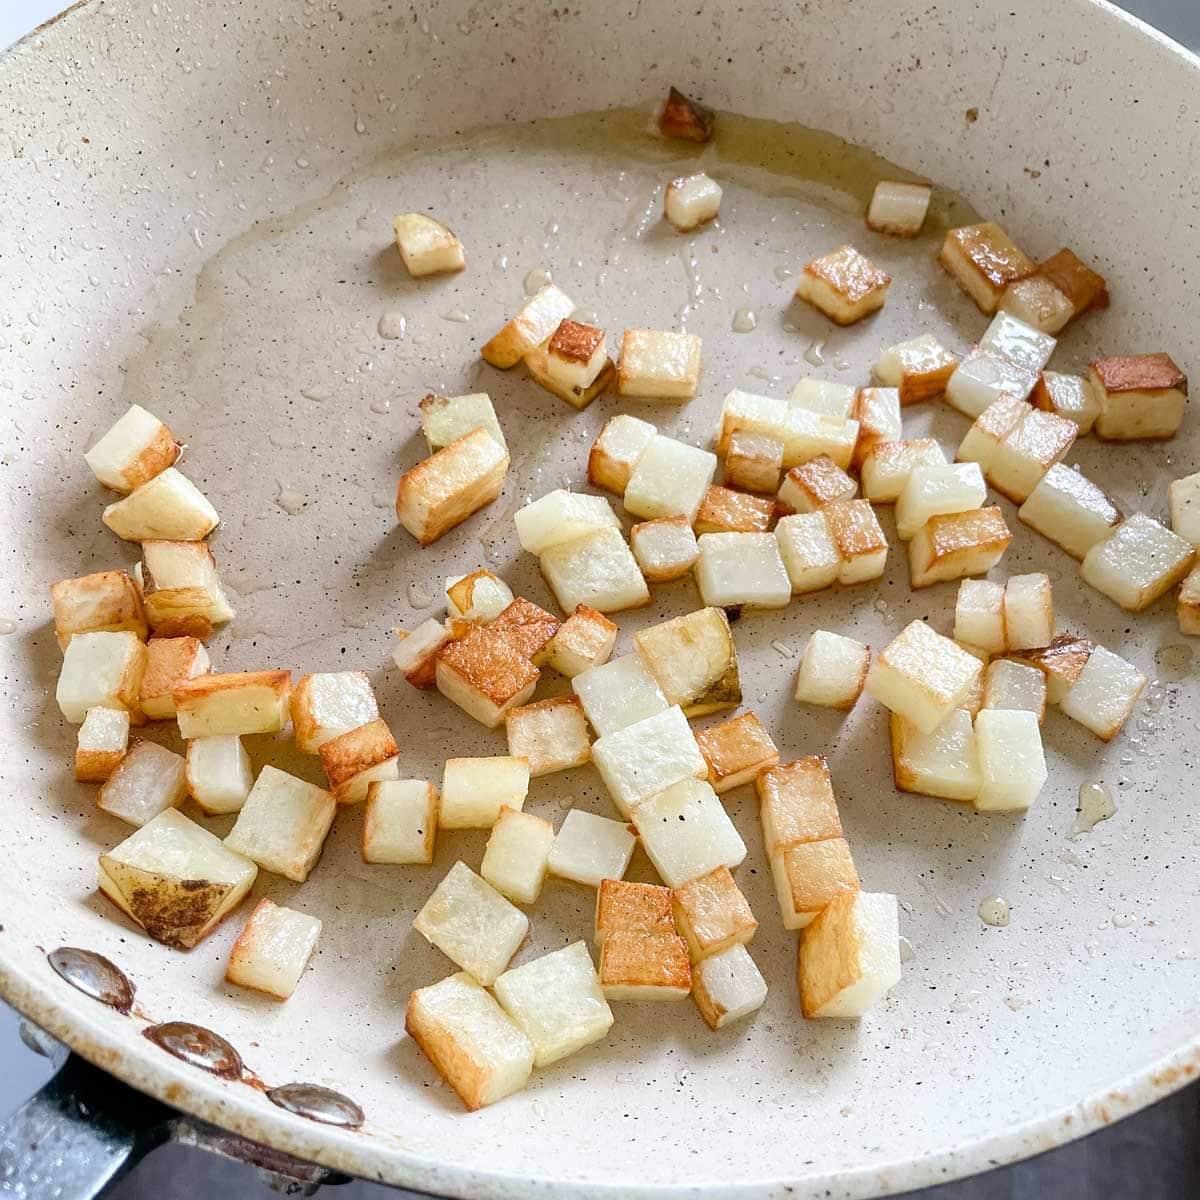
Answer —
203 197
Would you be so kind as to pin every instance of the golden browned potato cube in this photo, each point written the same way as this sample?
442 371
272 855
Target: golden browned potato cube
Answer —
1062 662
796 804
359 757
169 661
844 285
239 702
529 627
134 450
106 602
809 875
632 908
712 914
860 541
850 956
426 245
725 511
1022 459
102 742
736 751
957 544
984 260
814 484
918 369
1140 396
877 411
644 966
179 583
485 674
616 450
1076 280
693 660
538 319
657 365
548 371
417 651
685 119
583 641
753 462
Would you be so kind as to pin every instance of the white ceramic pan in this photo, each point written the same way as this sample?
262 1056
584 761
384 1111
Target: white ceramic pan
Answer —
195 207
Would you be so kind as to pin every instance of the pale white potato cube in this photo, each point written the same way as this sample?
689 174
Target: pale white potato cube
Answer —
983 440
169 506
750 412
326 704
934 490
427 246
809 875
471 1041
877 411
180 585
860 541
742 569
1138 562
1140 396
475 789
728 986
472 924
665 549
942 763
982 378
400 821
670 478
575 356
984 260
844 285
1039 302
133 451
1028 612
1184 498
219 775
979 615
919 368
887 466
416 653
952 545
149 779
1022 344
1067 396
445 419
273 949
551 735
753 461
539 317
101 670
583 641
645 758
283 824
1187 604
850 956
691 200
588 849
1016 466
899 208
479 597
922 676
103 602
616 450
1012 766
809 554
833 670
657 365
562 516
810 434
101 744
1070 510
1103 696
618 694
517 855
598 570
694 661
686 832
814 484
823 396
239 702
1016 686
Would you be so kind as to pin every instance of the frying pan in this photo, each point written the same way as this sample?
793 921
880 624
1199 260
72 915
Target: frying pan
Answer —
197 202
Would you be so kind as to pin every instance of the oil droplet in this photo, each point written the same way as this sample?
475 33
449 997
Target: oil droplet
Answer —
840 361
381 407
419 594
198 238
392 325
315 393
457 316
585 316
965 999
1155 696
535 280
1123 920
781 272
784 649
765 375
1016 1003
501 262
995 911
7 626
382 500
815 354
1095 805
907 953
359 125
744 321
290 500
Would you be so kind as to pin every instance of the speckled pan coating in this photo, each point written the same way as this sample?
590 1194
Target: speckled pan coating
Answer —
140 140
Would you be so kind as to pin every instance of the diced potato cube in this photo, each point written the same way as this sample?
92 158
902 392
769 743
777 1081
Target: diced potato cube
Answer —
809 554
665 549
936 490
725 511
546 370
1028 452
685 119
328 703
742 569
598 570
1076 280
1187 606
1140 396
472 924
823 396
146 781
218 772
445 419
887 465
982 378
809 875
898 208
833 670
583 641
736 751
426 245
273 949
1028 612
712 914
1070 510
417 652
1067 396
1012 767
727 987
1184 498
102 742
753 461
983 440
475 789
1061 662
283 824
1138 562
979 615
644 966
106 602
169 506
814 484
922 676
942 763
471 1041
588 849
616 450
957 544
984 260
1022 344
400 820
562 516
179 582
1016 686
877 411
356 759
239 702
101 670
1104 693
973 701
669 478
647 757
749 412
538 319
551 735
658 365
175 879
485 674
919 369
686 832
1038 302
169 661
479 597
691 200
446 488
860 541
133 451
796 804
517 855
529 627
556 1000
618 694
850 956
844 285
575 355
632 908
